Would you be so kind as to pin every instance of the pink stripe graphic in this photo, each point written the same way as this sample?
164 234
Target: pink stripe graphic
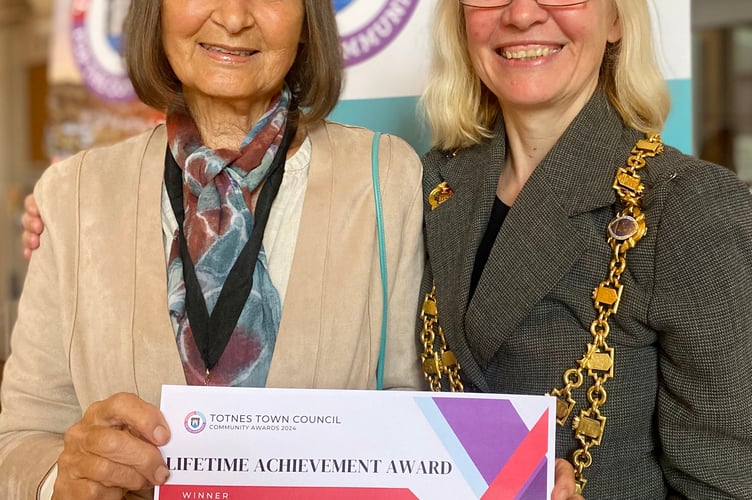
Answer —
190 492
521 464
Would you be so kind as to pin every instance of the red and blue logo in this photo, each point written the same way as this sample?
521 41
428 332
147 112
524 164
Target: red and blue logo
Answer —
96 27
195 422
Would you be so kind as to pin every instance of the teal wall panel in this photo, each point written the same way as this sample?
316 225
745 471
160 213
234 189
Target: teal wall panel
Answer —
678 129
399 116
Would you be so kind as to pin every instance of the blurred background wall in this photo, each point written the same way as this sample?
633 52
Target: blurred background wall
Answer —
47 112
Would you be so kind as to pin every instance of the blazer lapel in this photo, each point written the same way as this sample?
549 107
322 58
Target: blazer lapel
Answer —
454 230
536 246
540 240
156 359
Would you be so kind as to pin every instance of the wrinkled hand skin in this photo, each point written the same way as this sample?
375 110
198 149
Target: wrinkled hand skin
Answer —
112 450
564 484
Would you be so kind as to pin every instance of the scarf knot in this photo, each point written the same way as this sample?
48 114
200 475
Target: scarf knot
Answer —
219 192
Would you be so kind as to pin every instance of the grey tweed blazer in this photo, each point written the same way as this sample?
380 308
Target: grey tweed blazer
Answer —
679 408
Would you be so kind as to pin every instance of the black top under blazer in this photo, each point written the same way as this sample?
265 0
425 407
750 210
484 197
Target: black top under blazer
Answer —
679 407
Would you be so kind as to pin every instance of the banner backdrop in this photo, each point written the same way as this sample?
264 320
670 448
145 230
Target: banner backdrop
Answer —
391 39
386 48
90 99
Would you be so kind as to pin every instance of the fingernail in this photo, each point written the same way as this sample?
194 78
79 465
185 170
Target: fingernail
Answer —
162 474
161 435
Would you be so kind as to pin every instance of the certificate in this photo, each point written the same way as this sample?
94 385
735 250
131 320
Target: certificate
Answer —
237 443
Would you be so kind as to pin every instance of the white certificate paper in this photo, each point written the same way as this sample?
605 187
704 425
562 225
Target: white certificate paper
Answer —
237 443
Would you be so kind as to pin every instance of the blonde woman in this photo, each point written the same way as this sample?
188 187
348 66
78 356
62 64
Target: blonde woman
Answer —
631 305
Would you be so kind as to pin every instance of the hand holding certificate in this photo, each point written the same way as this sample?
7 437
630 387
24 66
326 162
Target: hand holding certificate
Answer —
292 443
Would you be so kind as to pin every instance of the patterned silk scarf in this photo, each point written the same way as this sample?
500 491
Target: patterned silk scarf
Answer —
220 188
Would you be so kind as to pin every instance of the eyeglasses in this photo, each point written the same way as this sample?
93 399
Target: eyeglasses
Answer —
495 4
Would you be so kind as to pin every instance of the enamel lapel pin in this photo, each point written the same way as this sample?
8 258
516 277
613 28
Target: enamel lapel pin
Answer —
439 195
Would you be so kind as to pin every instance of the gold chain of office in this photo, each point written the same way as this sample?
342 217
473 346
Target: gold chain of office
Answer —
624 231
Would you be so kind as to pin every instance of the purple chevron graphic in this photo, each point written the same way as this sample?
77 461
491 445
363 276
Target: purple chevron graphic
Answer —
535 488
490 432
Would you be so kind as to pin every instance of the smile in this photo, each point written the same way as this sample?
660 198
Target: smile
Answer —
221 50
529 54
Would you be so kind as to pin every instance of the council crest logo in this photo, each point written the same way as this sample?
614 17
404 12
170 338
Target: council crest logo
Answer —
96 27
385 20
195 422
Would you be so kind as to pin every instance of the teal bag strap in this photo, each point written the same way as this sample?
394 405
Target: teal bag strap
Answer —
382 256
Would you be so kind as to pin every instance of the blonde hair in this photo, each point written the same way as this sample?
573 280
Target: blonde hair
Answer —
315 77
462 111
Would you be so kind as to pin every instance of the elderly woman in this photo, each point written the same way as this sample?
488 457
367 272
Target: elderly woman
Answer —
143 276
573 254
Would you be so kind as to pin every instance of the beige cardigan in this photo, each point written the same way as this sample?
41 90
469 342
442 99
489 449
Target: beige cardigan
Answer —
93 317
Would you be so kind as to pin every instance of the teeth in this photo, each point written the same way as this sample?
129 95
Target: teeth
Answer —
242 53
529 53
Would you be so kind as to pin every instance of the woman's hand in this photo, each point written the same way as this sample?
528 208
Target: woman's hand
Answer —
32 225
112 450
564 484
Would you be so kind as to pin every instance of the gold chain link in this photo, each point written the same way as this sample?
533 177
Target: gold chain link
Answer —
442 362
624 231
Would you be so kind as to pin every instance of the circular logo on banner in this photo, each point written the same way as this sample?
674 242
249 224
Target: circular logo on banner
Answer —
386 20
195 422
95 41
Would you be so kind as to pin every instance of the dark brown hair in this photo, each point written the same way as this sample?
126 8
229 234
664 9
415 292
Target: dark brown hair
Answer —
315 77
